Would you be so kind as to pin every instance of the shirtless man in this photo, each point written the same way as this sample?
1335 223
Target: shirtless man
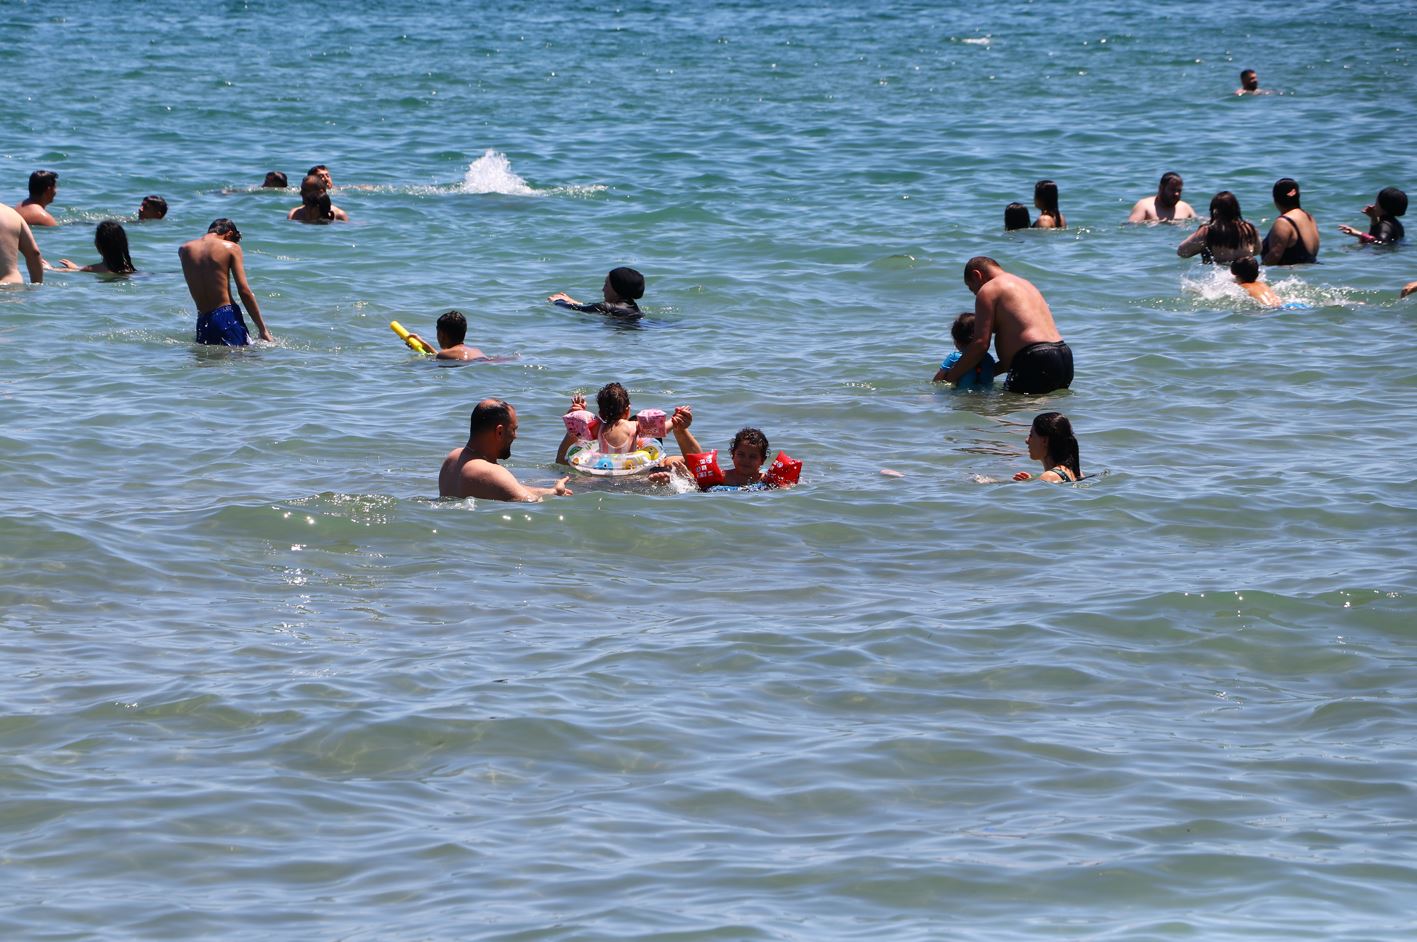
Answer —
452 331
1166 205
315 206
1027 344
209 264
1249 83
16 239
473 471
1294 238
43 185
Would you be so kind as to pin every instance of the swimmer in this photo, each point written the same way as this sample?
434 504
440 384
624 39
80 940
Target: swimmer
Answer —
209 264
962 332
1016 217
473 471
112 243
1226 236
44 184
315 207
1051 443
1297 241
323 172
1011 312
152 207
1045 200
452 329
275 180
749 451
1250 84
16 239
1383 211
622 288
1247 275
1166 205
619 432
1408 288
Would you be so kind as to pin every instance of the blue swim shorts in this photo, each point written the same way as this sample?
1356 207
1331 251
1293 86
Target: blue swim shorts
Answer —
223 327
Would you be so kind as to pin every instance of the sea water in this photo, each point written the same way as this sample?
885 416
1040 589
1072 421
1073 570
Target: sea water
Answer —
260 682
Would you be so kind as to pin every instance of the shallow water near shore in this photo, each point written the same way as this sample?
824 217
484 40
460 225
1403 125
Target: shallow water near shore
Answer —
261 681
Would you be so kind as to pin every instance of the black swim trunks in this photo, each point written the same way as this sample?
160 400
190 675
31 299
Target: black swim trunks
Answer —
1041 368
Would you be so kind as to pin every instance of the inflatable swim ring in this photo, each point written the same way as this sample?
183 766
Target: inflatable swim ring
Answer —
585 458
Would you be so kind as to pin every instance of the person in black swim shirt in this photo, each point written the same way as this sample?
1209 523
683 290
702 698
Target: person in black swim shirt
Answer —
1383 211
1294 238
622 288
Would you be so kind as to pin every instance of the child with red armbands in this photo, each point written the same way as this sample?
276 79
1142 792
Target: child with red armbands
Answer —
749 450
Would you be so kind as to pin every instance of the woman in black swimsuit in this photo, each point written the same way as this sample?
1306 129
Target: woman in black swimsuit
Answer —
1291 243
1225 237
1051 442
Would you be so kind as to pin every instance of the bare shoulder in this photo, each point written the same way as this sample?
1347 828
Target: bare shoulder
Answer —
1184 210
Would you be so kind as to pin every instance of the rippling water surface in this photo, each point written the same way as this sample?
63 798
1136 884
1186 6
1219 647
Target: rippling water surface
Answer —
260 682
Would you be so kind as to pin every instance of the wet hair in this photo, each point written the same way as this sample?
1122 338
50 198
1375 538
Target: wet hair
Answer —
1016 217
1062 448
1227 229
962 330
276 178
224 226
310 184
42 180
487 415
324 207
750 436
112 243
1392 201
158 203
627 283
1246 269
1249 72
1045 193
613 402
454 325
315 170
1167 177
1282 197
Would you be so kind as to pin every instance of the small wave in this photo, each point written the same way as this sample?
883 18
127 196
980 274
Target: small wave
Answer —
492 173
1217 285
976 41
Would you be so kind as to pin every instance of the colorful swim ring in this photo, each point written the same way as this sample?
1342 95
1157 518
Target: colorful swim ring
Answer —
587 459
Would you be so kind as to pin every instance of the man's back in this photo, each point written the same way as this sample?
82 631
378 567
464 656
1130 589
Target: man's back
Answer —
206 264
14 234
1020 314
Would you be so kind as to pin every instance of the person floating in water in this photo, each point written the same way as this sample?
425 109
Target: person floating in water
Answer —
1051 443
315 205
1166 205
112 243
44 185
1247 275
1011 312
622 288
1250 84
1226 236
1294 238
1383 211
473 471
210 264
1016 217
451 331
152 207
1045 200
982 376
275 180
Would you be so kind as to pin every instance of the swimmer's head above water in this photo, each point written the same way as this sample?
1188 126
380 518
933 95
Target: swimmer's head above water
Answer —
275 180
1016 217
1286 194
962 330
1246 270
612 402
452 329
625 284
749 449
1249 81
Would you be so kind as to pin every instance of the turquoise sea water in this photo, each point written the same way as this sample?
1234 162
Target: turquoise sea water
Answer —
261 683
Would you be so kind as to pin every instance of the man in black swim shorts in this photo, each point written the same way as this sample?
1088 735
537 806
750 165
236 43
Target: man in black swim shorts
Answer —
1012 312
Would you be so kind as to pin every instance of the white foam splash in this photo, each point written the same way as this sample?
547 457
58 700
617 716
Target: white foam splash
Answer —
492 173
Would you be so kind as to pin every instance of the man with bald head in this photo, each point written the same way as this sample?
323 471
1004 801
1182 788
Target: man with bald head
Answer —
1012 312
473 471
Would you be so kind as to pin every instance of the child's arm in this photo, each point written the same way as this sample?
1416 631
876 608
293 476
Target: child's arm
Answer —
679 424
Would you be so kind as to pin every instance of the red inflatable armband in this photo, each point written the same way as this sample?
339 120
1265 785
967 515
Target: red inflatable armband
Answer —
704 467
784 472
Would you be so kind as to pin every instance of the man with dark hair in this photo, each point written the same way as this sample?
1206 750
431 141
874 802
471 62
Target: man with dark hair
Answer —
16 239
473 471
622 288
1249 83
275 180
315 205
452 330
1012 312
153 207
323 172
44 184
1166 205
209 264
1296 242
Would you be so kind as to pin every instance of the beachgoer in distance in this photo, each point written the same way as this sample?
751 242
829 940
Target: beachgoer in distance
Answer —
1383 211
1247 275
1166 205
1225 237
1016 217
275 180
315 206
112 243
1051 443
1249 83
451 331
44 185
1011 312
152 207
962 332
16 239
209 264
1296 242
323 172
473 471
622 288
1045 200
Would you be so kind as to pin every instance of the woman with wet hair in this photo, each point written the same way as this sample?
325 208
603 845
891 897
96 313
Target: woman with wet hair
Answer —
1016 217
1051 442
1045 200
112 243
1226 236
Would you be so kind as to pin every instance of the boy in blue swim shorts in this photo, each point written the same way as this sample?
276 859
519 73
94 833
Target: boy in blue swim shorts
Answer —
209 264
982 376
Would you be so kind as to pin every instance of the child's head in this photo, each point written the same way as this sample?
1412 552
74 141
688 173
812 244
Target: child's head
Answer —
1245 270
962 330
613 402
452 329
749 449
1016 216
625 284
1051 439
1392 201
